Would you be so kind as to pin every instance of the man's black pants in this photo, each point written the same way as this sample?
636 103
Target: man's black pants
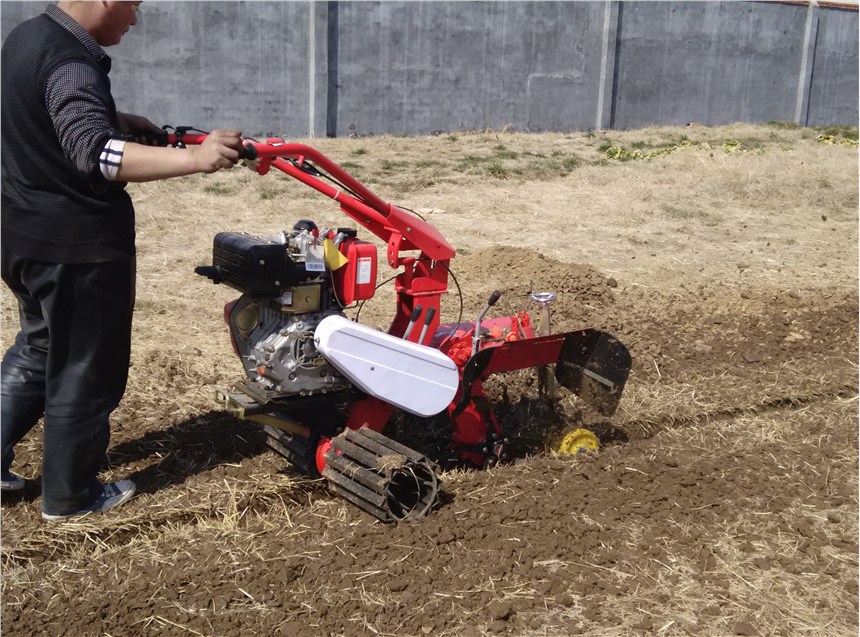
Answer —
69 363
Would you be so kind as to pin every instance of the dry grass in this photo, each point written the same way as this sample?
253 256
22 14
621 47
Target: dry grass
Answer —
778 215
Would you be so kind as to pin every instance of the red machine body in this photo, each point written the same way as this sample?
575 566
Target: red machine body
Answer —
586 361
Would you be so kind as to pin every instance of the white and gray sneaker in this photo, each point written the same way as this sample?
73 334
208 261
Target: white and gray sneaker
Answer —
113 494
10 482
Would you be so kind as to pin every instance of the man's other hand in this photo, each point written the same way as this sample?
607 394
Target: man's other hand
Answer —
143 131
220 149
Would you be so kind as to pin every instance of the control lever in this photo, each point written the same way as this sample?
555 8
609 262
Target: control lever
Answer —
495 296
415 314
428 318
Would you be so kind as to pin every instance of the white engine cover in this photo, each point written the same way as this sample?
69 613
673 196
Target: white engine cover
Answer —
415 378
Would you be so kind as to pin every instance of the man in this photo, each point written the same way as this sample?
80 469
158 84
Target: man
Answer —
68 242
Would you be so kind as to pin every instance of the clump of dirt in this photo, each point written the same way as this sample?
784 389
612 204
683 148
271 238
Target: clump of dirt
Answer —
583 292
390 462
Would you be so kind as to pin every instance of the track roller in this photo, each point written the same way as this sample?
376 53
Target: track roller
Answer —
292 446
388 480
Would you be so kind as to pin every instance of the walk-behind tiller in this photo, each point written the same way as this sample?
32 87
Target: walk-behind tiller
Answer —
324 387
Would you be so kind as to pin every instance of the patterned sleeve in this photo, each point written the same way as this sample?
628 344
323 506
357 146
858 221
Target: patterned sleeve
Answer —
77 101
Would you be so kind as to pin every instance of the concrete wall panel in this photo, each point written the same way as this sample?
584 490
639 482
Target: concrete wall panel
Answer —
835 71
713 63
218 64
426 66
411 66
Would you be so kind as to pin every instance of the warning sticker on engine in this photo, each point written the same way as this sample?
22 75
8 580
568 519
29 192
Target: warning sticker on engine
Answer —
315 259
362 274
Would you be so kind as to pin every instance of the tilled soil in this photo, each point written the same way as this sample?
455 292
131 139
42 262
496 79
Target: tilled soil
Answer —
723 500
556 545
546 544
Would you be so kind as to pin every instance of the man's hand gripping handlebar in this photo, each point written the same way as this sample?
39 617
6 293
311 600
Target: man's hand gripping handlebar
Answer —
212 151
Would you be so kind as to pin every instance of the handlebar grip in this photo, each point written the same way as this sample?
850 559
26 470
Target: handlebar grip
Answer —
248 152
160 139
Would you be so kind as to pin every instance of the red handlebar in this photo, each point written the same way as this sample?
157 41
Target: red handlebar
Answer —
424 277
400 230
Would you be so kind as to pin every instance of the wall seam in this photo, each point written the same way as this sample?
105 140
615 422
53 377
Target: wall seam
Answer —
804 80
604 59
312 68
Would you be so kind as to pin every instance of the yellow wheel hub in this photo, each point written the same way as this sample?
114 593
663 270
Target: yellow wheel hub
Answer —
576 441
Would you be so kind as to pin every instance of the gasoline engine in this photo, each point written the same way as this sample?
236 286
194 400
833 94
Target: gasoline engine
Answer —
287 290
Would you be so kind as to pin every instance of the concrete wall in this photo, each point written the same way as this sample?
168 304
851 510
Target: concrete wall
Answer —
714 63
834 81
413 67
428 66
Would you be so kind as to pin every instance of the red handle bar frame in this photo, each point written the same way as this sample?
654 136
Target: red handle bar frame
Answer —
424 277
